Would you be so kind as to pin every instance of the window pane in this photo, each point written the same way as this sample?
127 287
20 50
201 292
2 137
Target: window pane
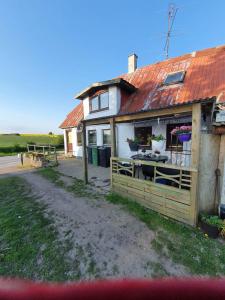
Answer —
92 138
104 100
94 104
142 134
106 137
174 78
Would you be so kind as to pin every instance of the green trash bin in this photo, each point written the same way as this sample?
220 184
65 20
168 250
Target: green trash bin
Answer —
95 156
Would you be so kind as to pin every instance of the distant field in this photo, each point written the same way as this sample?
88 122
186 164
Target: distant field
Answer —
16 143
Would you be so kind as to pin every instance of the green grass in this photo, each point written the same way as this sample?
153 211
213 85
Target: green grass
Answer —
23 139
7 154
52 175
78 188
183 244
29 244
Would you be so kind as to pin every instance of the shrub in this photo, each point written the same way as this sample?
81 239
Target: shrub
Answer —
31 143
212 220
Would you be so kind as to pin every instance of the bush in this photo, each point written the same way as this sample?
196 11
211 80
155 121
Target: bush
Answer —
31 143
16 148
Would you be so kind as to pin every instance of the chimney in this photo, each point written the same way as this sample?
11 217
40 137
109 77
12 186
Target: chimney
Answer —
132 63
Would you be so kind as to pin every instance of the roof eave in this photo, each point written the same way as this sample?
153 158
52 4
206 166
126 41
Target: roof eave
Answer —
98 85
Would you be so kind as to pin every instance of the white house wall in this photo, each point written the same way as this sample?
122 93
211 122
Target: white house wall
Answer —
77 150
99 132
114 105
124 131
65 141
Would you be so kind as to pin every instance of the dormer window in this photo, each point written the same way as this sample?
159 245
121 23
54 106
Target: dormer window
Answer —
99 102
173 78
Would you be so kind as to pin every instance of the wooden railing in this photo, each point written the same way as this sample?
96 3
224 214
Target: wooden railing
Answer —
168 189
176 176
47 152
41 149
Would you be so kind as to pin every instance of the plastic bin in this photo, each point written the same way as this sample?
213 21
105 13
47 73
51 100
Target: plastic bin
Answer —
95 156
104 156
89 152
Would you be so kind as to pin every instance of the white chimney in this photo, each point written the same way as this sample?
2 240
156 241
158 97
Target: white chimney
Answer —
132 63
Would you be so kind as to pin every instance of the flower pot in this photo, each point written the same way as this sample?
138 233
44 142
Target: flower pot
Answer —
158 145
184 137
133 146
211 230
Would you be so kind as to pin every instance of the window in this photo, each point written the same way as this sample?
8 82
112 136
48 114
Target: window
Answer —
142 134
100 102
106 137
92 137
104 100
94 104
172 141
79 138
173 78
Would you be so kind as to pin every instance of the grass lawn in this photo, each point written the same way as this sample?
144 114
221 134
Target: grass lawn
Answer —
29 244
7 154
23 139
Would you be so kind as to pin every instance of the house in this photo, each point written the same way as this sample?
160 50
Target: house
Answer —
153 100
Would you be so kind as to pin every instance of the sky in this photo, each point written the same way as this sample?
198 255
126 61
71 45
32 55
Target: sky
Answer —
52 49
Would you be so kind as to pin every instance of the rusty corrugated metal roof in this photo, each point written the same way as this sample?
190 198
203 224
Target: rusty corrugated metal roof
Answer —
74 117
204 78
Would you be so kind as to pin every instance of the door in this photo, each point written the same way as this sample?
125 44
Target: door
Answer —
69 140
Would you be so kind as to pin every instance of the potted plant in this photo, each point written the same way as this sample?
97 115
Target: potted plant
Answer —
133 144
211 225
158 142
183 133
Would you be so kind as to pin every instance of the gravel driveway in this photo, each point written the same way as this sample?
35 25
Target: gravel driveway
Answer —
110 242
8 164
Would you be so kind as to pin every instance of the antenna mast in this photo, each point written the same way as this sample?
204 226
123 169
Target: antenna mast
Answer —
172 11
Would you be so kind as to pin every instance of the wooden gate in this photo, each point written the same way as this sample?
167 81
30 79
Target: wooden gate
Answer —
170 190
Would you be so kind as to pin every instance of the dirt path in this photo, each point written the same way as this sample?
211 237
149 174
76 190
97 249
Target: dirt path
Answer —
107 241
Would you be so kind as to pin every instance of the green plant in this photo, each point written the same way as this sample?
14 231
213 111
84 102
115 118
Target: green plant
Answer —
213 220
156 138
31 143
17 148
135 141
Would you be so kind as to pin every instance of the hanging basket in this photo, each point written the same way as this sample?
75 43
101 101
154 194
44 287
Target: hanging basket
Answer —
184 137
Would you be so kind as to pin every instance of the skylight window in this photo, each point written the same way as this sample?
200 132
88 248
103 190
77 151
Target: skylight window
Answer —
173 78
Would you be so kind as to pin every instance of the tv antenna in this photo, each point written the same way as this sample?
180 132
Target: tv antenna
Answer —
172 11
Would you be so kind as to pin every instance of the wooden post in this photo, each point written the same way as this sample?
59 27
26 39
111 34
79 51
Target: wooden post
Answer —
113 137
84 151
195 149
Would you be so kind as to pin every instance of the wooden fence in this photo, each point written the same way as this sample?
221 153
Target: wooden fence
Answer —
169 190
46 152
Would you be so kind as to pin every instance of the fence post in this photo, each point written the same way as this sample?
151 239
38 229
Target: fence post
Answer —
195 149
84 150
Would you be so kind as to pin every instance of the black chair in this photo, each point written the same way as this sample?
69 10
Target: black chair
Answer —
148 171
